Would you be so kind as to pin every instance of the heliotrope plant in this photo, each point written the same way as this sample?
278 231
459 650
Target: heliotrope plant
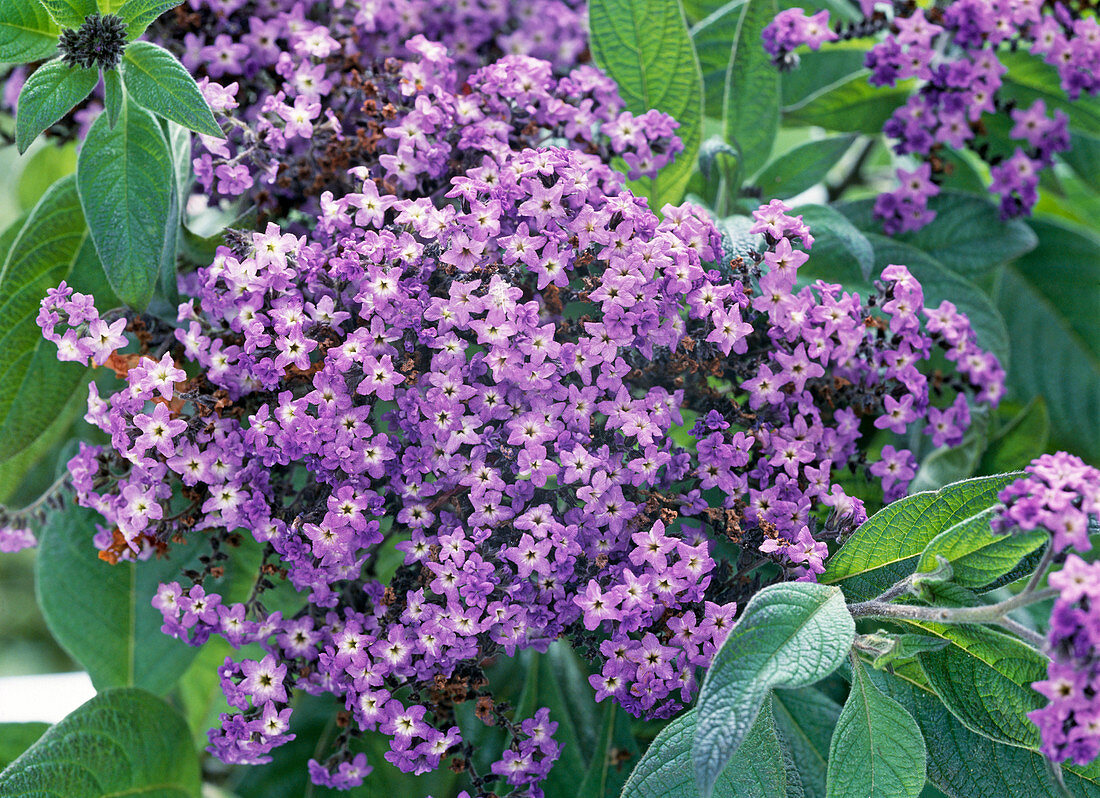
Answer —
470 393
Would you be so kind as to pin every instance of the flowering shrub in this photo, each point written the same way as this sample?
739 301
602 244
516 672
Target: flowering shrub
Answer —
492 371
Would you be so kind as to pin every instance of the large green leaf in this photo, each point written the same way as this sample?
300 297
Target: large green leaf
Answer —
751 109
985 678
977 554
645 47
967 236
43 168
886 548
967 765
101 613
712 36
805 719
27 33
1052 295
127 186
1030 79
756 772
158 82
49 93
138 14
70 13
790 635
51 246
803 167
122 742
821 71
852 106
877 750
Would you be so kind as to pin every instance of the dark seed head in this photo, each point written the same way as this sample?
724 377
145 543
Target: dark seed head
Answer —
98 43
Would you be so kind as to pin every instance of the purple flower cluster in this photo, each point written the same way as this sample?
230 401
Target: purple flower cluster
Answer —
1070 723
1060 494
418 122
953 55
492 381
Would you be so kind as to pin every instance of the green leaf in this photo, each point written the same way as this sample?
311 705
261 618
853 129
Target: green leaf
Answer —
837 238
985 678
967 765
890 648
665 770
852 106
790 635
967 235
805 719
1052 295
15 738
158 82
112 96
979 556
126 188
101 613
803 167
1020 441
27 33
1030 79
751 109
139 14
122 742
49 93
1083 153
645 47
821 71
886 548
45 167
70 13
877 749
712 36
15 470
50 247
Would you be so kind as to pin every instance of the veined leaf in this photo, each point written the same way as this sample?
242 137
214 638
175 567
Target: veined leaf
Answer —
751 109
139 14
127 185
27 32
158 82
977 554
49 93
70 13
122 742
645 47
803 167
790 635
805 719
877 750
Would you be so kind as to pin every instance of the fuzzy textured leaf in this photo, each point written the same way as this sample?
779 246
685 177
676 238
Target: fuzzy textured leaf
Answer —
886 548
49 93
984 678
977 554
837 238
139 14
712 36
158 82
751 109
756 772
122 742
805 719
70 13
126 185
27 32
877 750
645 47
51 246
101 613
790 635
